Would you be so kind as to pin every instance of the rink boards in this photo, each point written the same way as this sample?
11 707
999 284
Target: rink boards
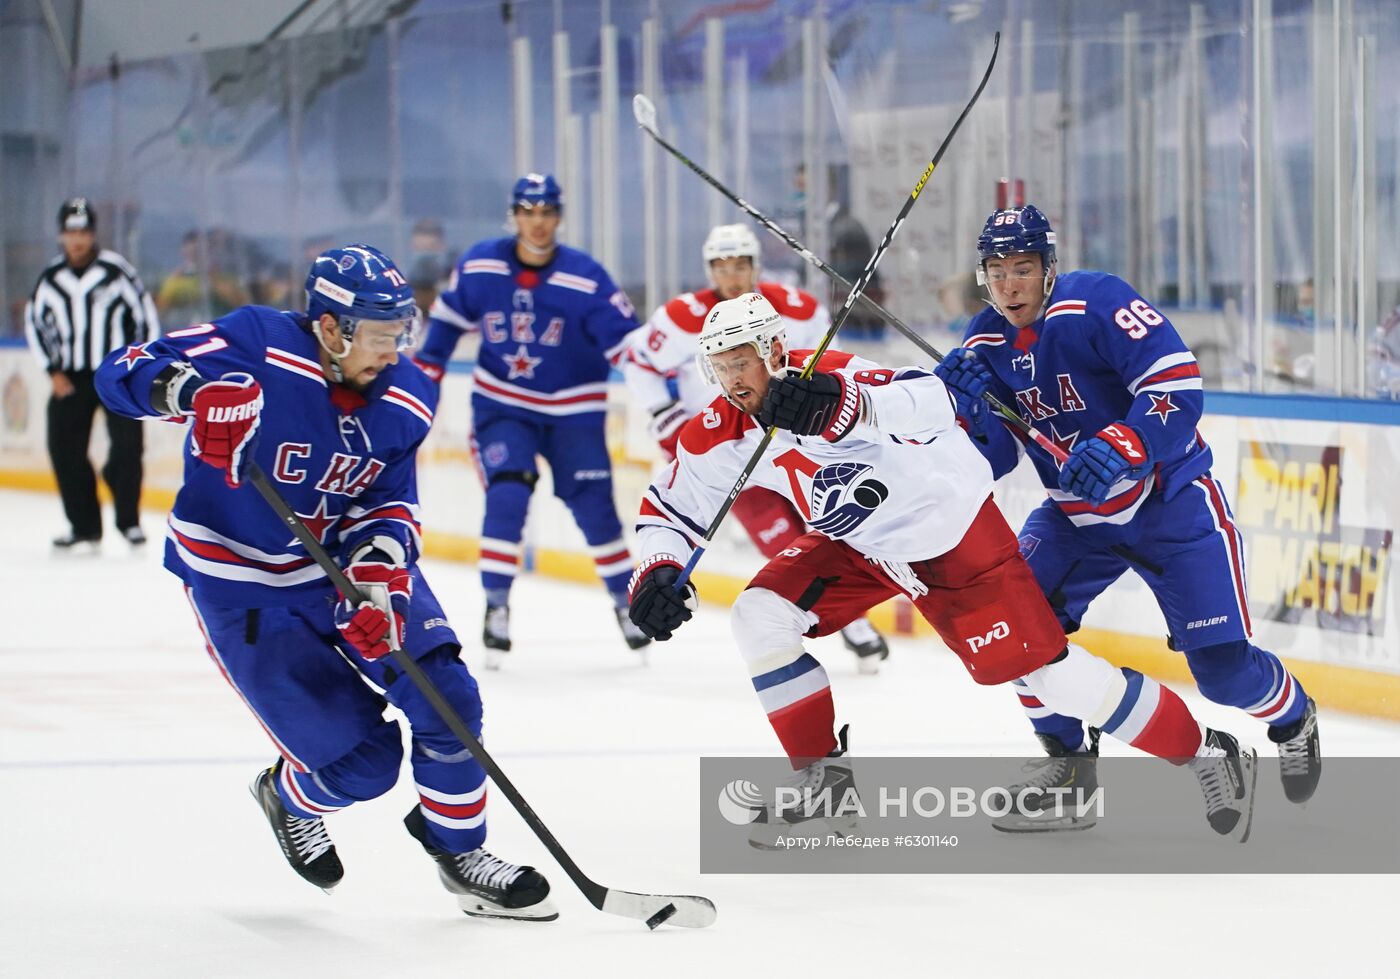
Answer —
1312 483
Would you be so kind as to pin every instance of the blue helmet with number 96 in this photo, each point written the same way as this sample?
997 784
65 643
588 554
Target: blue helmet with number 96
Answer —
1016 231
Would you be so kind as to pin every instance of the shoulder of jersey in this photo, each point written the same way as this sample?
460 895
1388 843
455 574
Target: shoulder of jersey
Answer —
1084 291
409 388
987 329
681 310
792 303
831 360
719 423
115 259
55 263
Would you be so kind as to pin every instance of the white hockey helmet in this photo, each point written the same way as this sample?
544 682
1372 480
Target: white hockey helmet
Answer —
749 319
730 241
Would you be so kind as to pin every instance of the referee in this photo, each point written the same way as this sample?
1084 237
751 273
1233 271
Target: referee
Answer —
86 304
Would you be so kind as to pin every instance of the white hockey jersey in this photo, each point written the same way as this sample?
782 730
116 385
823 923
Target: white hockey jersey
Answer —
904 485
670 340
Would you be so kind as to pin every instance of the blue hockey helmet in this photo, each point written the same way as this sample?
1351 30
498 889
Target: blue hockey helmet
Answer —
536 189
359 282
1015 231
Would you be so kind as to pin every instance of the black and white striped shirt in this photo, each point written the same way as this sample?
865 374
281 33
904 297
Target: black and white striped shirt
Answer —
75 319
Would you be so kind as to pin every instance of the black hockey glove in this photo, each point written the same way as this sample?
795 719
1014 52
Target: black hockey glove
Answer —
656 607
824 404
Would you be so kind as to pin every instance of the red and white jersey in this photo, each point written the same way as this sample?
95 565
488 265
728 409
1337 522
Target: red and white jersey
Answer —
671 339
903 485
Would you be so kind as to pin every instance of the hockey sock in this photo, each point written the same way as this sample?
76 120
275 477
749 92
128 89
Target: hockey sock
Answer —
1154 719
499 563
1240 674
304 796
456 820
613 561
796 696
1069 731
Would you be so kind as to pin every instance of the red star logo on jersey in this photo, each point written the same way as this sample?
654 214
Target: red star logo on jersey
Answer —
522 364
1064 442
135 354
1161 406
318 521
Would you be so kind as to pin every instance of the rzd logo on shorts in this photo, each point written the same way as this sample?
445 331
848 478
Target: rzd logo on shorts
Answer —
999 631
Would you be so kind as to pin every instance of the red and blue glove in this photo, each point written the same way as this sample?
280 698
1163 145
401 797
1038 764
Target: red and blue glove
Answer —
1117 452
965 375
823 404
227 415
655 606
388 590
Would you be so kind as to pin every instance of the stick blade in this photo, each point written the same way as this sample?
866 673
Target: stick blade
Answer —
689 911
645 111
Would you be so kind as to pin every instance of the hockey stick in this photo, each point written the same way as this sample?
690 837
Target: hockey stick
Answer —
645 112
641 106
683 910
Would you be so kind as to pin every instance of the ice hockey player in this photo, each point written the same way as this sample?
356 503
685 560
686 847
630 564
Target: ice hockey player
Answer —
552 323
322 403
899 500
664 379
1103 373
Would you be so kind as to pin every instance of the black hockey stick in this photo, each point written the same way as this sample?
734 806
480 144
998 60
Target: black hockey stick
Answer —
856 292
683 910
645 112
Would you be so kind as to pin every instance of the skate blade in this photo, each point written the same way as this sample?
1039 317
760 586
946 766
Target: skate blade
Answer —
476 907
868 665
1250 759
1024 824
494 659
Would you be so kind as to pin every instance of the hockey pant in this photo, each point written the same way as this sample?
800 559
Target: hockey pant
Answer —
309 691
1200 589
506 448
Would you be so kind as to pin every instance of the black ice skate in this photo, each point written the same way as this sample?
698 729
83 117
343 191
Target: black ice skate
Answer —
134 536
832 775
1299 755
1227 774
495 635
305 842
636 638
869 646
71 543
1037 803
486 886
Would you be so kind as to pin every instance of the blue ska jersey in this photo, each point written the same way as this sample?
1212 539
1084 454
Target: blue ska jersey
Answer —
548 335
344 462
1100 354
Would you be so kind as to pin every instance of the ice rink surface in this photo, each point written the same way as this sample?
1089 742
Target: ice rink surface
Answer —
131 848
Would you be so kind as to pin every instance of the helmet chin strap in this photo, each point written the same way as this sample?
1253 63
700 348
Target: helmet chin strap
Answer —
337 373
541 252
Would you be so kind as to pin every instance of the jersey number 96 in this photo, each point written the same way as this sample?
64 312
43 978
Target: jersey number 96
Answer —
1136 318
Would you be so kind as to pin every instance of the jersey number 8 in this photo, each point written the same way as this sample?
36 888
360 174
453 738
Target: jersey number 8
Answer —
1136 318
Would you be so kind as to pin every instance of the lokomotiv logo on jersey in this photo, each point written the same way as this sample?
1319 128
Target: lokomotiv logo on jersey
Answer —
839 497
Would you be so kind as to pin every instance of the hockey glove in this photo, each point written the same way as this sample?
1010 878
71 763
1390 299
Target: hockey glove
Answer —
655 606
227 414
387 590
1116 453
965 375
666 424
823 404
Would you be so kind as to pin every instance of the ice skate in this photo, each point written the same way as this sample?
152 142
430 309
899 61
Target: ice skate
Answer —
134 536
78 546
636 638
1227 774
1299 755
869 646
486 886
1034 800
495 635
830 775
305 842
